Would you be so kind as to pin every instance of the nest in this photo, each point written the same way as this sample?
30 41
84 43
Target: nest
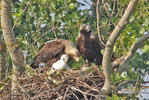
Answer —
65 85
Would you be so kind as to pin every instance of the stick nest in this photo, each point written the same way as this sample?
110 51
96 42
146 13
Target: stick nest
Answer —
64 85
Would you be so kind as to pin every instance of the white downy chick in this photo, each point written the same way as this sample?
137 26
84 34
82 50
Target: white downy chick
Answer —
62 63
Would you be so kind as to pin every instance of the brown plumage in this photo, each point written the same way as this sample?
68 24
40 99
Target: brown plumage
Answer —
51 51
89 46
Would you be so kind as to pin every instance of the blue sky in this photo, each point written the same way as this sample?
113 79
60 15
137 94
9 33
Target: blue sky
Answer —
87 6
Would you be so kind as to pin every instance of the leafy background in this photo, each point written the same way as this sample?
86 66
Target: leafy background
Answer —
37 21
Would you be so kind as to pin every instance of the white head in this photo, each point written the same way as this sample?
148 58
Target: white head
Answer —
75 54
65 58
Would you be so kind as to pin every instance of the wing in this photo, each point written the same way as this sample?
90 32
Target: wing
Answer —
98 46
96 42
49 50
80 44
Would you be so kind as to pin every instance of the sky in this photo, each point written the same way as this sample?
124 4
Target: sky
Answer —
87 6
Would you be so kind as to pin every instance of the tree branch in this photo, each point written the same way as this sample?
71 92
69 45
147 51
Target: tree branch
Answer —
106 63
15 52
98 23
117 61
124 65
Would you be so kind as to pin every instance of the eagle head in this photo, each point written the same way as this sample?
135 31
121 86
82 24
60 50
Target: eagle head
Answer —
85 29
64 58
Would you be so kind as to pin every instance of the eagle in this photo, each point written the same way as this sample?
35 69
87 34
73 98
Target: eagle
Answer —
89 46
51 51
62 63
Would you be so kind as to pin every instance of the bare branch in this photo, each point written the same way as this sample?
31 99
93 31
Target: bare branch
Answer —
124 65
51 30
107 67
117 61
113 9
98 23
106 8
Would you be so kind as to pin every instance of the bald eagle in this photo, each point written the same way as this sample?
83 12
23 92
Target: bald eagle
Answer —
51 51
89 46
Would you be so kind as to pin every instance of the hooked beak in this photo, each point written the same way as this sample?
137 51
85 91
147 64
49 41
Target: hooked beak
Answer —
76 59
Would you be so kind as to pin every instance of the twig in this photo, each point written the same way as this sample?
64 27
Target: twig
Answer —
40 89
21 14
98 24
113 8
92 88
106 8
66 92
83 93
24 91
117 61
45 34
33 98
39 38
54 28
75 96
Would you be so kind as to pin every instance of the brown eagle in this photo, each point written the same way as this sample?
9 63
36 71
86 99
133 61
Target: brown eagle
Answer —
51 51
89 46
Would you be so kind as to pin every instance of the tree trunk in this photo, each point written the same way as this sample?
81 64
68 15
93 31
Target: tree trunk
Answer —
3 60
15 52
106 63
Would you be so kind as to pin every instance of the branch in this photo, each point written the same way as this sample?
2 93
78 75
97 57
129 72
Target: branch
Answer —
124 65
106 8
106 63
117 61
51 30
23 12
98 23
15 52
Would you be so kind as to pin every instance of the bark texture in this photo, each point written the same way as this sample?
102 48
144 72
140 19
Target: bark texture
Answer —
107 67
15 52
3 60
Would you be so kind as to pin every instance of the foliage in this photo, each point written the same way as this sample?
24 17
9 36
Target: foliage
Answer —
140 62
37 21
114 97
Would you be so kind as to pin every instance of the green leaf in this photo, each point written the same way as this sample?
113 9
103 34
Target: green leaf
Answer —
113 78
71 6
146 22
124 1
17 14
53 5
115 97
68 1
108 98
